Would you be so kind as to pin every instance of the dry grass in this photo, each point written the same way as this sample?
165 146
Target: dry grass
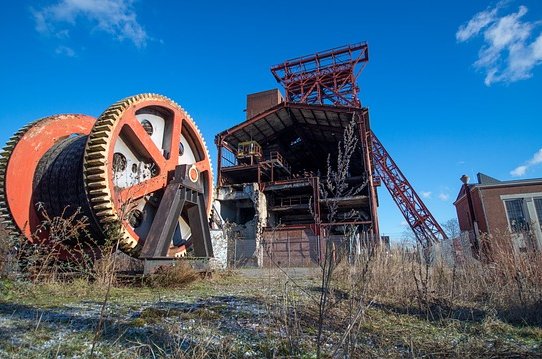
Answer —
261 316
176 276
509 286
6 253
381 303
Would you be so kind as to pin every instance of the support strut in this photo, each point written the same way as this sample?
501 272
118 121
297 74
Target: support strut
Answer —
182 196
423 224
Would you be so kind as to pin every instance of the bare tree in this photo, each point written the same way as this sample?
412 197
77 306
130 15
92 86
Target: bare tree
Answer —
451 227
335 186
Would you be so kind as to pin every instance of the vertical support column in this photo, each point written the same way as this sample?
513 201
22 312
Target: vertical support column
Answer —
163 227
475 242
315 182
365 137
197 217
219 162
288 247
259 177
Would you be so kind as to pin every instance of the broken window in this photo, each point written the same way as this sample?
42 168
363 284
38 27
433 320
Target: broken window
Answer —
516 215
246 215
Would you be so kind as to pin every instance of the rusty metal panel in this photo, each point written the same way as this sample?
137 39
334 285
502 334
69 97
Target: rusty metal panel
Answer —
290 248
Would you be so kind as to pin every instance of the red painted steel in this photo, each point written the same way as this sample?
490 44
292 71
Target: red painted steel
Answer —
422 222
328 77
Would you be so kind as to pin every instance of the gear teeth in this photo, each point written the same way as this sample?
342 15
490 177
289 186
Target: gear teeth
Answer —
96 148
95 163
102 132
95 177
106 213
94 156
98 193
95 171
95 168
100 199
102 207
97 141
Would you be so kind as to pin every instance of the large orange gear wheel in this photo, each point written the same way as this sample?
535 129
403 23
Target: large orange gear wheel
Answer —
130 157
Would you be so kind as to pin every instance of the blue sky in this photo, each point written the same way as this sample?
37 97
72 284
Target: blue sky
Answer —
453 87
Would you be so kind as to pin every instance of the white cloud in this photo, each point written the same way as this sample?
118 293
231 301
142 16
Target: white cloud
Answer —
512 47
65 50
519 171
443 196
477 23
426 194
115 17
522 170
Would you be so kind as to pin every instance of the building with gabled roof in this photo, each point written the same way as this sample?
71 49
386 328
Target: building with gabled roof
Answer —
496 207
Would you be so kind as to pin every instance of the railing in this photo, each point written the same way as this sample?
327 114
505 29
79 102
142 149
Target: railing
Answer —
228 158
275 156
294 200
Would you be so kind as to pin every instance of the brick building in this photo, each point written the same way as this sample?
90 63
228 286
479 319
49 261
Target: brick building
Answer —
497 207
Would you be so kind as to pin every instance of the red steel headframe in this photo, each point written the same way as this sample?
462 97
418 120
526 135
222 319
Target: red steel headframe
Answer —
328 77
422 222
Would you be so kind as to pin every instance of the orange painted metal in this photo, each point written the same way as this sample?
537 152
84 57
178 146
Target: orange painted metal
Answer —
24 160
144 143
193 174
139 190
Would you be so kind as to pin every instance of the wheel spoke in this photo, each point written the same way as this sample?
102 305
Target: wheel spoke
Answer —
203 166
143 142
173 161
142 189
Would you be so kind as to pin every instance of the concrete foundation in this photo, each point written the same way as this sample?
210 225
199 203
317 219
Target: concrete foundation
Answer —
244 211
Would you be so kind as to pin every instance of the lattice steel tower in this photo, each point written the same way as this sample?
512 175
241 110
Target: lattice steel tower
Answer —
330 78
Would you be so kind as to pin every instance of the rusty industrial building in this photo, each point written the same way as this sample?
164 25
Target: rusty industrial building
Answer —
273 168
272 165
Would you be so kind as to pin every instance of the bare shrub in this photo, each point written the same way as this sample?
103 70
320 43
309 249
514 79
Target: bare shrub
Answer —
509 285
175 276
105 268
6 252
60 247
335 185
390 276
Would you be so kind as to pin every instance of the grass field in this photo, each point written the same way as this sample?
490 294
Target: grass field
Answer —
252 313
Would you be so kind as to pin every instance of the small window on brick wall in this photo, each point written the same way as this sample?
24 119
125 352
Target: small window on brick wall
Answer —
516 215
